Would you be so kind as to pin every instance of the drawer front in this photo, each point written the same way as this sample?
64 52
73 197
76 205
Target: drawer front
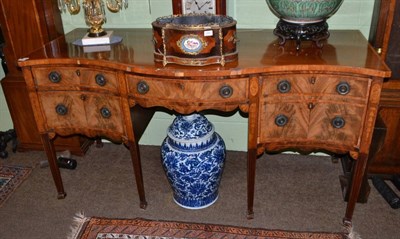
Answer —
227 90
283 121
75 78
103 112
63 110
99 80
60 77
339 124
82 112
336 85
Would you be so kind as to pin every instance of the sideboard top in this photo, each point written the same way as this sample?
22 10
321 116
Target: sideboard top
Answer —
259 52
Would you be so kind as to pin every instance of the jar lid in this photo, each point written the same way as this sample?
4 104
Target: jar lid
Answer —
190 128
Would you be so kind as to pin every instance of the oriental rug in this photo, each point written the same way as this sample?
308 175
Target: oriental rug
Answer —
10 178
139 228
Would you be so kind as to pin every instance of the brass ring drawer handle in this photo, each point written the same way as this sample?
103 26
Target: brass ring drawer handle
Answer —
284 86
54 77
338 122
142 87
343 88
281 120
61 109
100 80
105 112
226 91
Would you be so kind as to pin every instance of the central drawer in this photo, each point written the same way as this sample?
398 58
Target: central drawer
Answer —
196 91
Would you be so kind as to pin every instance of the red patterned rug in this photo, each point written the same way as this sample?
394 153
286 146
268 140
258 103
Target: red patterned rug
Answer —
10 178
104 228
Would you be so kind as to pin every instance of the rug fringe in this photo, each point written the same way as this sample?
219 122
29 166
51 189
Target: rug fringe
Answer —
77 224
354 235
351 234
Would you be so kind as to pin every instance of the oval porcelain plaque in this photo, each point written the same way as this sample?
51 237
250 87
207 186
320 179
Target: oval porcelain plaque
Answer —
191 44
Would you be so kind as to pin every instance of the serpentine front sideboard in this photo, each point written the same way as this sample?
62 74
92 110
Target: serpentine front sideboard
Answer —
308 100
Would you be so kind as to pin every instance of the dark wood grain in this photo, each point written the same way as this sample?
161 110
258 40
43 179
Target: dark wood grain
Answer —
27 26
385 36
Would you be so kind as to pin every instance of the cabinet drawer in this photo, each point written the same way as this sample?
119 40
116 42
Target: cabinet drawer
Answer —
193 90
339 124
75 78
344 86
77 112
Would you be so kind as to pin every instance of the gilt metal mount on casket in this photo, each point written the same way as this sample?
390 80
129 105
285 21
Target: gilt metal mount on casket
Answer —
195 39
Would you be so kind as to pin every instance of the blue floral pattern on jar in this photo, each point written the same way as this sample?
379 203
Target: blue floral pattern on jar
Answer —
193 156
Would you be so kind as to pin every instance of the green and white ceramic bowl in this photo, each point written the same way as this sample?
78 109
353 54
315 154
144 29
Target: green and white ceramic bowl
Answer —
304 11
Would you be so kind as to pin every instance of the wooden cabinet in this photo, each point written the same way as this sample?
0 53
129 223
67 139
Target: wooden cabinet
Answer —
27 25
385 37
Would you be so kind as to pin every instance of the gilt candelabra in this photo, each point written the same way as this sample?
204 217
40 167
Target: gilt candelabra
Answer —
94 11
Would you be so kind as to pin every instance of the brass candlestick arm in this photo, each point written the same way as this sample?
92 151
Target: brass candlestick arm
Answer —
94 10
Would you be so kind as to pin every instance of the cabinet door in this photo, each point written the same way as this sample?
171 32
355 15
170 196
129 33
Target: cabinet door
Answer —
385 37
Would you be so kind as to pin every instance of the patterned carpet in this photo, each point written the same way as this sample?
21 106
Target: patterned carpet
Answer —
10 178
104 228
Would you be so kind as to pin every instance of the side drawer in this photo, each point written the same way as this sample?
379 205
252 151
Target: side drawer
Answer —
75 78
296 123
82 112
339 85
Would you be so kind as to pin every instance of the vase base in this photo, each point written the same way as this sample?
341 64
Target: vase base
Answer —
316 32
196 207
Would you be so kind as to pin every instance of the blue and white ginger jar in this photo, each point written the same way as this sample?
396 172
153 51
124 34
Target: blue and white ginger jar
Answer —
193 156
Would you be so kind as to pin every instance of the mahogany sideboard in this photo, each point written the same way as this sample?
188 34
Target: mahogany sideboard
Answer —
314 99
